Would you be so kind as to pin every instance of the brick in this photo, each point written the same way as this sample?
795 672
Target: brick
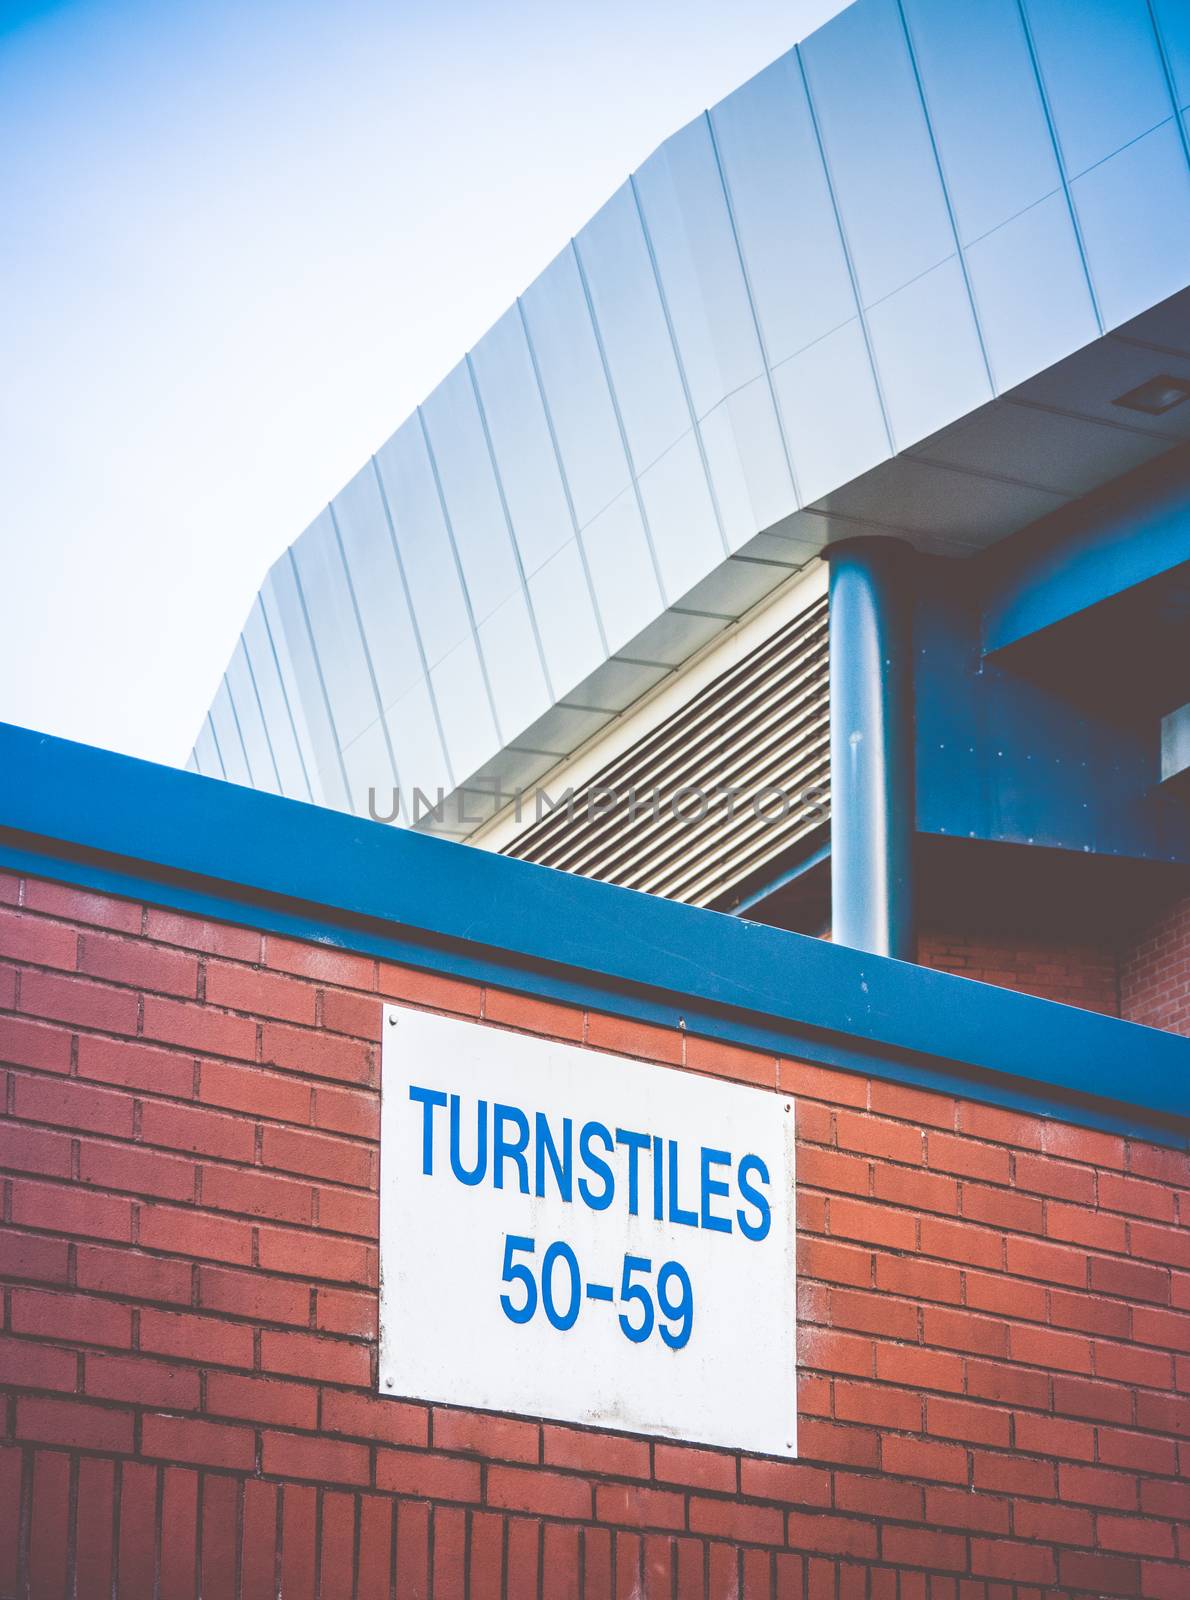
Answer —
347 1111
1161 1163
1058 1178
217 1553
922 1191
1045 1435
135 1170
361 1015
323 1460
205 1234
316 1054
1056 1524
874 1313
699 1469
311 1355
48 1515
792 1482
450 1551
347 1311
94 1524
1007 1297
318 1154
483 1434
322 962
1003 1558
34 1044
961 1330
921 1458
26 1364
922 1546
1135 1536
252 1089
737 1520
1124 1363
959 1419
179 1531
141 1381
194 1128
1100 1230
258 1543
851 1536
80 1001
24 1255
428 1475
1154 1243
925 1280
1095 1486
194 933
1004 1209
191 1439
133 1275
131 961
523 1558
135 1066
253 1294
1104 1574
964 1508
874 1136
968 1158
258 1194
24 1148
349 1211
875 1224
628 1037
837 1263
1001 1127
820 1168
1170 1329
1090 1314
1076 1397
1055 1263
137 1540
896 1408
75 1423
199 1028
67 1103
195 1337
634 1506
297 1252
260 992
70 1210
922 1107
729 1061
79 905
288 1405
920 1369
847 1446
1048 1347
807 1081
36 941
1083 1144
376 1543
825 1350
540 1492
1135 1197
960 1241
1012 1474
601 1454
367 1416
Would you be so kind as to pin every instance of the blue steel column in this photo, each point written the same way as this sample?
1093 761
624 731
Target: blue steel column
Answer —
873 803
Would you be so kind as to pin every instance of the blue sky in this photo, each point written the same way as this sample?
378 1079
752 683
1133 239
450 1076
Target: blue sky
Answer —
240 242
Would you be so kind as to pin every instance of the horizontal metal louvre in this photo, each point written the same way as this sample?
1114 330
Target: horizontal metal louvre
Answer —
744 765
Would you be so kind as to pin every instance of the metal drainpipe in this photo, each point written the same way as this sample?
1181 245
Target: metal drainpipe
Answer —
873 802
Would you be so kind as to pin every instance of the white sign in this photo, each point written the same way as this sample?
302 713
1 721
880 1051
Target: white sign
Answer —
573 1235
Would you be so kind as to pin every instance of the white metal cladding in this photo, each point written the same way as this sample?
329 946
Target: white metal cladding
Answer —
718 790
894 283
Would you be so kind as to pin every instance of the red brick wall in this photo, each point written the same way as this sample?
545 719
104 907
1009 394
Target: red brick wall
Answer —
1155 972
995 1320
1083 975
